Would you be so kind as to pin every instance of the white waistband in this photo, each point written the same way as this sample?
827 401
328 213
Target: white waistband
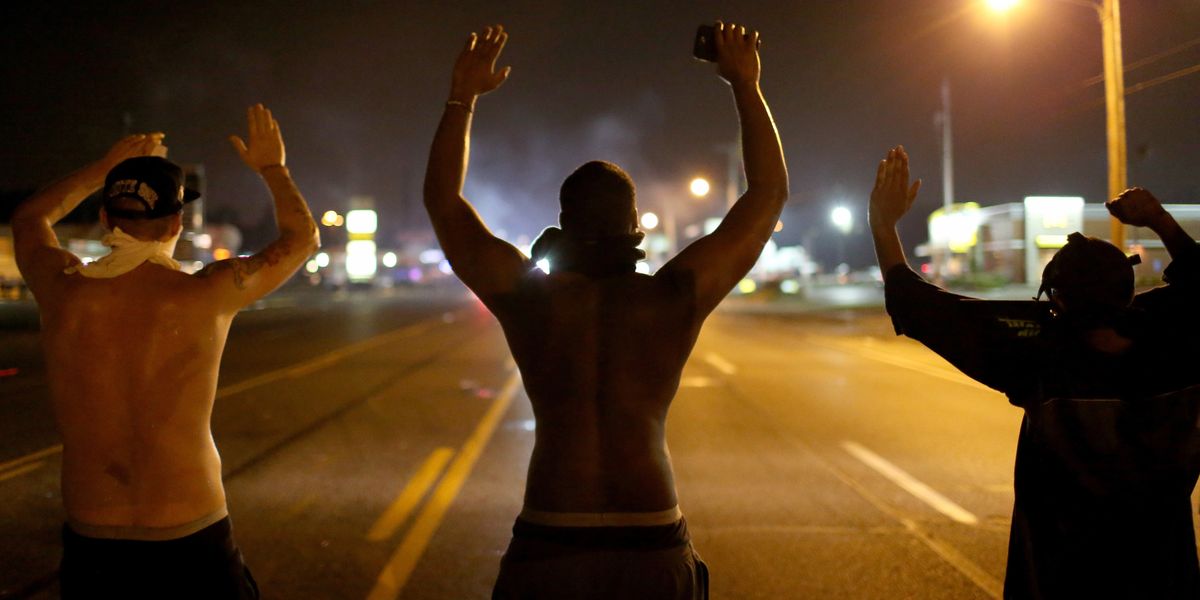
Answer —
601 519
148 534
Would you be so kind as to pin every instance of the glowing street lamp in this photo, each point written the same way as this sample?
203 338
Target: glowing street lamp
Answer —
330 218
699 187
842 219
1109 12
649 220
1002 5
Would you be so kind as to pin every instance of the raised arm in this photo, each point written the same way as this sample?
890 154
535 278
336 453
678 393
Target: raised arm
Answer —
1138 207
890 200
960 329
237 282
715 263
484 262
39 257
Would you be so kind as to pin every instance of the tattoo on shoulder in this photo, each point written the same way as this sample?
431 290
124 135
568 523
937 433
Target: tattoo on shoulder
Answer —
241 268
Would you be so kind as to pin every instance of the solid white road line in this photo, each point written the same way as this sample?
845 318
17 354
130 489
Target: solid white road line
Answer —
910 484
698 382
725 367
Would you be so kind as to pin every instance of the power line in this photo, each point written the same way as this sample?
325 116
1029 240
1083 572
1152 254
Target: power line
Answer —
1145 61
1159 80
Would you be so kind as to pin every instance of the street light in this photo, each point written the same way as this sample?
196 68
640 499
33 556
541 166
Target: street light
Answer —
1109 12
649 220
699 187
842 219
1002 5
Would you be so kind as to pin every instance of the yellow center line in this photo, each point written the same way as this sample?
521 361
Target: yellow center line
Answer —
398 512
44 452
296 370
402 562
327 359
21 470
299 506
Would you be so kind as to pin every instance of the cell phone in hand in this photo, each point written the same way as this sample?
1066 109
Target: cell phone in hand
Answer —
705 46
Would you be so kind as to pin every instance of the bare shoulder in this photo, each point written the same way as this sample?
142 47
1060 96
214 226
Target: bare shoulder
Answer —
240 271
235 271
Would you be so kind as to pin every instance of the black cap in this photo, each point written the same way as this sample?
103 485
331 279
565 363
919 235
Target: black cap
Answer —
154 182
1090 271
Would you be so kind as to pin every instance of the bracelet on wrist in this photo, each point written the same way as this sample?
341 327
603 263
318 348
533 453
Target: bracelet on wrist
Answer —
459 103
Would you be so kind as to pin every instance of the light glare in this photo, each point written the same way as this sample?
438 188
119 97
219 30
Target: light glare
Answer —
649 220
699 187
842 218
360 260
1001 6
361 221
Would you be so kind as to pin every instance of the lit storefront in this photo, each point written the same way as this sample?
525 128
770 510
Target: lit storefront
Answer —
998 243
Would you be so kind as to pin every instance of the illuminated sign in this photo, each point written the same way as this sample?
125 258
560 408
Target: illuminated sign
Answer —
1045 240
360 260
956 227
1048 222
363 222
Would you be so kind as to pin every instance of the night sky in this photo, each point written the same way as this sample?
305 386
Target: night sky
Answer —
358 88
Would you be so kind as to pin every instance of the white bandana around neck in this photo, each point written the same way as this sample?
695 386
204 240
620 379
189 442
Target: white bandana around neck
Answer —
127 254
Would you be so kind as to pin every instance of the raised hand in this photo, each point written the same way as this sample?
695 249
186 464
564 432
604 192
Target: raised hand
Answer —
892 196
1137 207
142 144
737 54
265 146
475 70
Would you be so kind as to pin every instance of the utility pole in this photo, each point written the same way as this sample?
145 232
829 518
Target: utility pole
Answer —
1114 95
947 148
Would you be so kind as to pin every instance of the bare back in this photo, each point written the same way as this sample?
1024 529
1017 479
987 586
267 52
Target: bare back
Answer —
133 364
601 358
132 359
601 361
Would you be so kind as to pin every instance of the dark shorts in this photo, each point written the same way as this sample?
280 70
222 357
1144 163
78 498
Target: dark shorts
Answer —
631 563
206 564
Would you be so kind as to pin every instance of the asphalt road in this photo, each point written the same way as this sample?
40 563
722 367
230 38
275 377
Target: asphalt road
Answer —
375 446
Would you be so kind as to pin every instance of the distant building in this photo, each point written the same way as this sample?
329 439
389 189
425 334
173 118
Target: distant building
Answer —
969 241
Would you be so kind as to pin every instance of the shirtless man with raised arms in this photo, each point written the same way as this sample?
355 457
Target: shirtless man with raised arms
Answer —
132 349
601 347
